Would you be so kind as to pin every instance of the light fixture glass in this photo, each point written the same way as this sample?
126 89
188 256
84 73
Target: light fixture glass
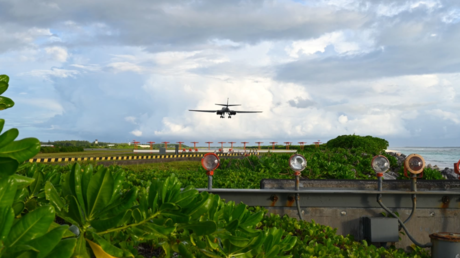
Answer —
380 164
210 162
414 163
298 162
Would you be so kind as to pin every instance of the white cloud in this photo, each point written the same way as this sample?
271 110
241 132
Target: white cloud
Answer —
445 115
343 42
137 133
57 53
54 72
124 67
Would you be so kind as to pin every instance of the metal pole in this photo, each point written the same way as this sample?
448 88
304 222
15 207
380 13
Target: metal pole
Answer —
297 195
209 182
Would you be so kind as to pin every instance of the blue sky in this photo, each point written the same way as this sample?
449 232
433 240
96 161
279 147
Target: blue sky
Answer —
123 70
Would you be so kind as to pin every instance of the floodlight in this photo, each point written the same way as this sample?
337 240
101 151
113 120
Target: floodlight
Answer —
457 167
380 164
297 162
414 163
210 162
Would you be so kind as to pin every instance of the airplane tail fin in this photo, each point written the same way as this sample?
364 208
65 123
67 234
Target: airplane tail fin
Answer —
228 105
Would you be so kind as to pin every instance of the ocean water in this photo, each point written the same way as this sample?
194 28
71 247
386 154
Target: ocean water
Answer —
443 157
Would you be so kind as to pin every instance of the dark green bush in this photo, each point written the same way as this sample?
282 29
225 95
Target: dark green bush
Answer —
369 144
60 149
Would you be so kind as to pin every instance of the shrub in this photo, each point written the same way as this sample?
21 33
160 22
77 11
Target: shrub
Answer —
369 144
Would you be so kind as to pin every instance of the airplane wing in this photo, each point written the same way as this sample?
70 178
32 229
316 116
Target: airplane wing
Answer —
246 111
209 111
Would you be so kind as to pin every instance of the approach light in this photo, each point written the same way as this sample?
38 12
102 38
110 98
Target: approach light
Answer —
414 163
380 164
210 162
297 162
457 167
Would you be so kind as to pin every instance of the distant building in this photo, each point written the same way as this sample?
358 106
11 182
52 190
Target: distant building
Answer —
46 145
111 145
96 142
144 145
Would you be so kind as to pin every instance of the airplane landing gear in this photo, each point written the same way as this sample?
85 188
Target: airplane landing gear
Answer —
221 116
229 116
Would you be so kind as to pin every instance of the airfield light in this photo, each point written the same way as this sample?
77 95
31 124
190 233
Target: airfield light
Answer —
151 145
301 145
180 144
380 164
135 144
166 145
259 144
457 167
209 145
210 162
222 145
414 163
231 144
244 145
297 163
317 143
287 145
273 145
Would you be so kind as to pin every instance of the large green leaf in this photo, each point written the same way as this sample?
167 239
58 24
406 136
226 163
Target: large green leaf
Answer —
253 219
202 228
8 137
7 166
80 249
31 226
64 249
100 190
22 181
106 246
3 86
4 78
53 197
6 218
37 185
2 123
120 205
102 225
7 192
75 185
47 242
21 150
6 103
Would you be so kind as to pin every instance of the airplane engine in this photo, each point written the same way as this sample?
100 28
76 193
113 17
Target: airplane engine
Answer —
232 113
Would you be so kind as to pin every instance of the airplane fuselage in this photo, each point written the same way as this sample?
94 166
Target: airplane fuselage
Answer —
224 111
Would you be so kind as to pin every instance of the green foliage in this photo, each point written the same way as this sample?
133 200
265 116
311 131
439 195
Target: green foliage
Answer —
60 149
13 153
315 240
369 144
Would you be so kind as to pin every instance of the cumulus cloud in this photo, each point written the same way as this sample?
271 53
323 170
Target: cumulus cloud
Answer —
317 70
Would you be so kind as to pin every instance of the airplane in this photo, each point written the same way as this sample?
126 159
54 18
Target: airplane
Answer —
226 110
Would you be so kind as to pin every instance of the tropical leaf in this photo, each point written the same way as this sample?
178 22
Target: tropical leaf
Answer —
100 190
46 243
8 137
64 249
7 166
31 226
3 86
4 78
53 197
6 103
21 150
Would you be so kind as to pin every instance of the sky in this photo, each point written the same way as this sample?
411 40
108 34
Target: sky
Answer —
119 71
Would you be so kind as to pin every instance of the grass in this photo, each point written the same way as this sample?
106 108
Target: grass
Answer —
172 165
